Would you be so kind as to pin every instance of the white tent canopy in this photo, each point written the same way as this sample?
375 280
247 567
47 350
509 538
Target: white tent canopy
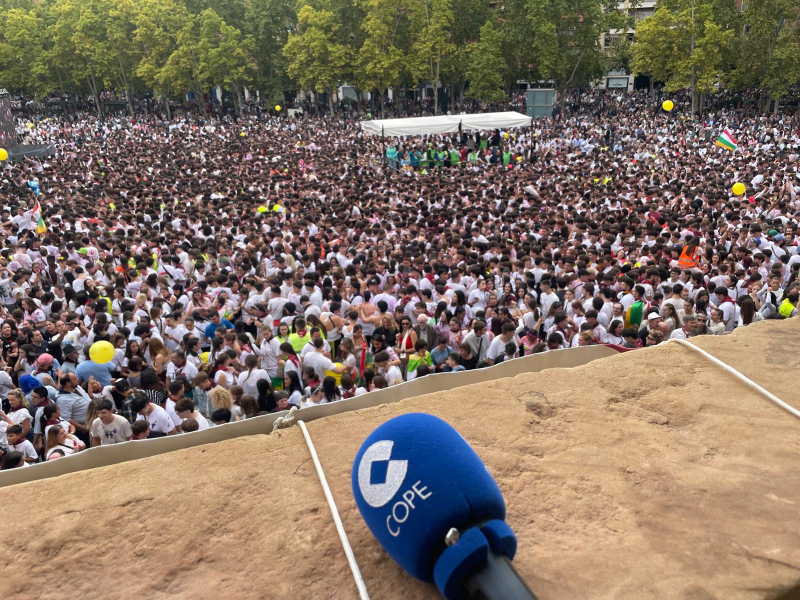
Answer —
445 123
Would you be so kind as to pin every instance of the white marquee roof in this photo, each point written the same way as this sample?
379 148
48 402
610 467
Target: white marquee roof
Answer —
445 123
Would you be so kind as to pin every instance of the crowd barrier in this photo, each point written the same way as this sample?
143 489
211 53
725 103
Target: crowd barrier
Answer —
118 453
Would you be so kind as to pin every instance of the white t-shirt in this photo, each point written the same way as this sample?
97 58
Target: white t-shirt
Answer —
26 448
497 347
394 375
249 381
309 348
188 370
19 416
169 406
224 379
319 362
176 332
6 384
159 420
728 312
68 447
202 422
116 432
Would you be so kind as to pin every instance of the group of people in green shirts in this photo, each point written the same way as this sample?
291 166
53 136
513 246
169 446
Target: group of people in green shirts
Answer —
496 151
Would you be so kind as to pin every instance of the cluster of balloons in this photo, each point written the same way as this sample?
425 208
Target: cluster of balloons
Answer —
738 188
101 352
3 154
668 105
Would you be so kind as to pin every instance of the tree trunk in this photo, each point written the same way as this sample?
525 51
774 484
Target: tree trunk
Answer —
775 107
201 100
330 102
702 102
166 106
237 99
694 75
95 94
383 104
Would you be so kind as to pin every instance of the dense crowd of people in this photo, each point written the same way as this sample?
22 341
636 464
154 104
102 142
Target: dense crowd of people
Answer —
240 267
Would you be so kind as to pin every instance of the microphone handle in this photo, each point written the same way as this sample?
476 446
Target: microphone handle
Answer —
497 580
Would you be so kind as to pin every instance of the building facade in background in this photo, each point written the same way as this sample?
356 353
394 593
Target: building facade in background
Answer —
623 80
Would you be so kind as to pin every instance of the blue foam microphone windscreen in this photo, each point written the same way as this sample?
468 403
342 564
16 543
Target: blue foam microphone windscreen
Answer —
414 478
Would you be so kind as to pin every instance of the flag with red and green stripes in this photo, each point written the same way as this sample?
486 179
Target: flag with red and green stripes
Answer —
36 217
726 140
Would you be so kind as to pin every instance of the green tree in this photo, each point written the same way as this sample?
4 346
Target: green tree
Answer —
685 45
464 32
22 54
79 39
487 67
430 23
224 55
517 47
381 57
317 60
208 53
158 24
269 23
566 39
768 49
119 70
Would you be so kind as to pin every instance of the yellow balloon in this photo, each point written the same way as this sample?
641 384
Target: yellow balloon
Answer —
243 134
668 105
3 154
278 107
738 188
29 125
262 209
101 352
204 357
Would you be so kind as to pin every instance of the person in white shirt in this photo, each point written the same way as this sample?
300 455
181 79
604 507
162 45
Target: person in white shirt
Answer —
688 330
498 345
392 374
173 332
249 378
478 298
478 340
158 419
109 428
179 366
318 361
185 409
548 297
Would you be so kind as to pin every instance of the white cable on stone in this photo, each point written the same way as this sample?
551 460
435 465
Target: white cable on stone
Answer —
747 381
351 559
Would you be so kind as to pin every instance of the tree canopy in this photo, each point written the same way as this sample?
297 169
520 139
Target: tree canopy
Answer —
477 48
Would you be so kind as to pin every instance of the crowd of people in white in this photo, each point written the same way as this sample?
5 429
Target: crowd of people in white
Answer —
240 267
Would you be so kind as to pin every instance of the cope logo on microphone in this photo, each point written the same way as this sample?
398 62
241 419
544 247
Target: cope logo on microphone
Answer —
379 493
